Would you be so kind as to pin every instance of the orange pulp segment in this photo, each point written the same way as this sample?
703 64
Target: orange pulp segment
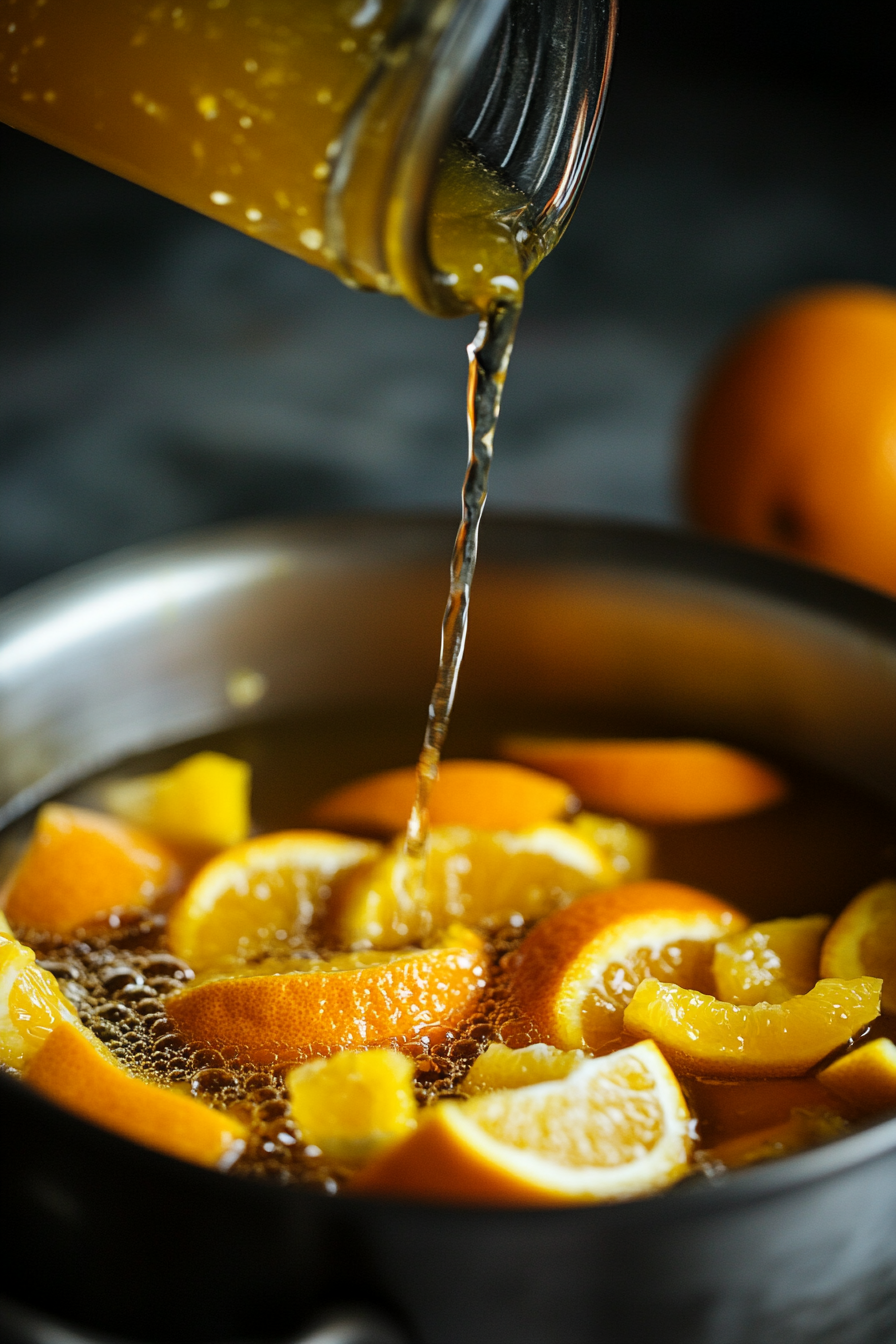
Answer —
770 962
31 1004
499 1067
484 878
614 1128
202 801
81 866
491 795
575 972
727 1110
704 1036
354 1104
80 1074
253 899
866 1077
654 781
346 1003
862 941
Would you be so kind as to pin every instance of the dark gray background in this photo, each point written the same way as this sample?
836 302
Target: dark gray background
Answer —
160 371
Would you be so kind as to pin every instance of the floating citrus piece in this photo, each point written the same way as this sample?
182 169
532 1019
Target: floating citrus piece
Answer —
346 1003
865 1077
654 781
805 1129
727 1110
573 975
614 1128
253 898
354 1104
491 795
79 1073
712 1039
500 1068
486 878
82 866
862 941
202 801
770 962
31 1004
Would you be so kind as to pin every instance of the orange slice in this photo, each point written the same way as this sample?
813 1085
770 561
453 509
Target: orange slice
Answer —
346 1003
703 1036
614 1128
500 1068
654 781
82 866
770 962
80 1074
490 795
806 1128
862 941
202 801
254 898
31 1004
573 975
484 878
728 1110
866 1077
354 1104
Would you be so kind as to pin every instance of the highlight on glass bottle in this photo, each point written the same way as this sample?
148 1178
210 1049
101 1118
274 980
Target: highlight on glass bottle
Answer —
432 148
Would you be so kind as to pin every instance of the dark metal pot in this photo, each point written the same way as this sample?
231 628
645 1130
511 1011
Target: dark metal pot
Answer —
139 650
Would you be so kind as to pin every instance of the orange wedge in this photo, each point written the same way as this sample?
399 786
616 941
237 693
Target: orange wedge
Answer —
573 975
866 1077
80 1074
202 801
484 878
82 866
254 898
500 1068
613 1128
490 795
805 1129
346 1003
770 962
654 781
862 941
728 1110
704 1036
31 1004
354 1104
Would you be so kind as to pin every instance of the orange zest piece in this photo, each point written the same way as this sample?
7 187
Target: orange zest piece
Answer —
704 1036
354 1104
254 898
346 1003
490 795
657 782
770 962
574 974
613 1128
862 941
866 1077
82 866
202 801
81 1075
31 1004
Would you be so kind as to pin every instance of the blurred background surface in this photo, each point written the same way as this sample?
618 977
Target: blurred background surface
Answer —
160 371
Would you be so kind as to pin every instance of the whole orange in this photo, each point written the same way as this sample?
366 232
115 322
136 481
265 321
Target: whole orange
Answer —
791 444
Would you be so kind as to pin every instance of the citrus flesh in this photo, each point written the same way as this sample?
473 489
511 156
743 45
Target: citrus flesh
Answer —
655 781
576 971
862 941
482 878
31 1004
345 1003
490 795
80 1074
202 801
614 1128
499 1067
704 1036
866 1076
253 899
355 1103
82 866
770 962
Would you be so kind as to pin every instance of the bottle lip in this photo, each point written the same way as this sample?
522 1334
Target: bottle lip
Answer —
383 167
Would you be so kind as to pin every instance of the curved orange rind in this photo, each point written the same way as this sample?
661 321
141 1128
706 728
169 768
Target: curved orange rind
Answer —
862 941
